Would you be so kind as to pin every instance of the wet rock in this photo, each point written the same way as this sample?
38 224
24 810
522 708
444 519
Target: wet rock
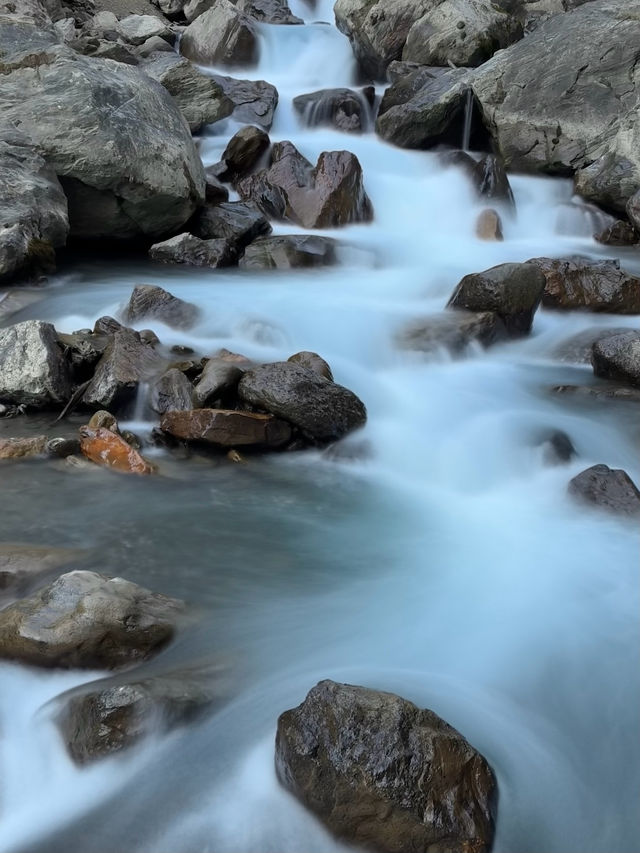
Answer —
269 11
620 233
577 348
618 357
61 447
289 251
193 251
216 381
557 448
84 619
512 291
322 410
107 326
491 181
329 195
82 351
254 101
608 489
103 420
384 774
33 371
117 716
343 109
149 302
172 392
126 362
244 151
222 36
136 29
110 450
34 210
215 191
227 428
453 331
312 361
489 226
234 221
632 209
595 285
199 98
20 564
23 448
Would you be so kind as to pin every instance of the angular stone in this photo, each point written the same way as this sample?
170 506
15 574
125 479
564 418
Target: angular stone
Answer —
606 488
583 283
222 35
289 251
149 302
384 774
110 450
172 392
227 428
33 371
453 331
343 109
193 251
87 620
136 29
218 378
244 151
619 233
254 101
618 357
234 221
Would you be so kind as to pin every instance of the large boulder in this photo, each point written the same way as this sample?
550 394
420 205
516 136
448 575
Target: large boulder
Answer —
34 210
321 409
148 301
33 371
548 110
127 361
464 32
512 291
383 774
329 195
223 35
583 283
201 99
607 488
87 620
227 428
617 356
113 136
136 29
254 101
289 251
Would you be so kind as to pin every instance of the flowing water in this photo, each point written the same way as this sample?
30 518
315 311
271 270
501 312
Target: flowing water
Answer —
443 561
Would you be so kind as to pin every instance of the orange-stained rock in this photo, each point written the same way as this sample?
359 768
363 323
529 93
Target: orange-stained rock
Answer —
489 225
227 428
21 448
111 450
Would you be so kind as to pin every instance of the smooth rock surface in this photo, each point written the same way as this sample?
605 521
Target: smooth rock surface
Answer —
606 488
110 450
218 378
289 251
618 357
32 368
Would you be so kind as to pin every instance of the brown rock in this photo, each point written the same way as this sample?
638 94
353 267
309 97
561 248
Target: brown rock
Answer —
312 361
22 448
595 285
110 450
489 225
619 233
227 428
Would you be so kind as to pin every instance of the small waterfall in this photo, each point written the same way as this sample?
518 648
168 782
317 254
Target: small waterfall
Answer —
468 116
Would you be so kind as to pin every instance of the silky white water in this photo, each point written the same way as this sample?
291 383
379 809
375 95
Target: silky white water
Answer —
446 562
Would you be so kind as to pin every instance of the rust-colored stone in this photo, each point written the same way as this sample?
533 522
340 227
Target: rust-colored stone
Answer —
110 450
489 225
227 428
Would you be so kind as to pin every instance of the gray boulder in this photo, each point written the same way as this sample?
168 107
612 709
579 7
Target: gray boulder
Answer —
193 251
512 291
136 29
606 488
148 301
199 98
33 370
583 283
321 409
87 620
218 379
254 101
545 104
618 357
34 210
223 35
227 428
172 392
384 774
289 251
343 109
235 221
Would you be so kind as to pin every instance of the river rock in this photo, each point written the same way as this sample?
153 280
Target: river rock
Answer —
244 151
33 370
322 410
464 32
149 302
193 251
489 226
619 233
20 564
343 109
384 774
117 716
171 392
218 379
329 195
127 361
95 123
82 351
60 447
200 99
583 283
608 489
110 450
453 331
513 291
84 619
312 361
136 29
227 428
34 210
289 251
235 221
254 101
215 190
23 447
545 104
577 348
618 357
269 11
223 35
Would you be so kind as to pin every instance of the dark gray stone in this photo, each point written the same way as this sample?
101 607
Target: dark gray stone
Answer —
289 251
606 488
618 357
149 302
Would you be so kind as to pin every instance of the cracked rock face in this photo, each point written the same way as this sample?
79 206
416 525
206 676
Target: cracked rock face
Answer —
546 104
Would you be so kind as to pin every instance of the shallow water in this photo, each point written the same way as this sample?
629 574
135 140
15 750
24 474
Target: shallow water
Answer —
445 563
